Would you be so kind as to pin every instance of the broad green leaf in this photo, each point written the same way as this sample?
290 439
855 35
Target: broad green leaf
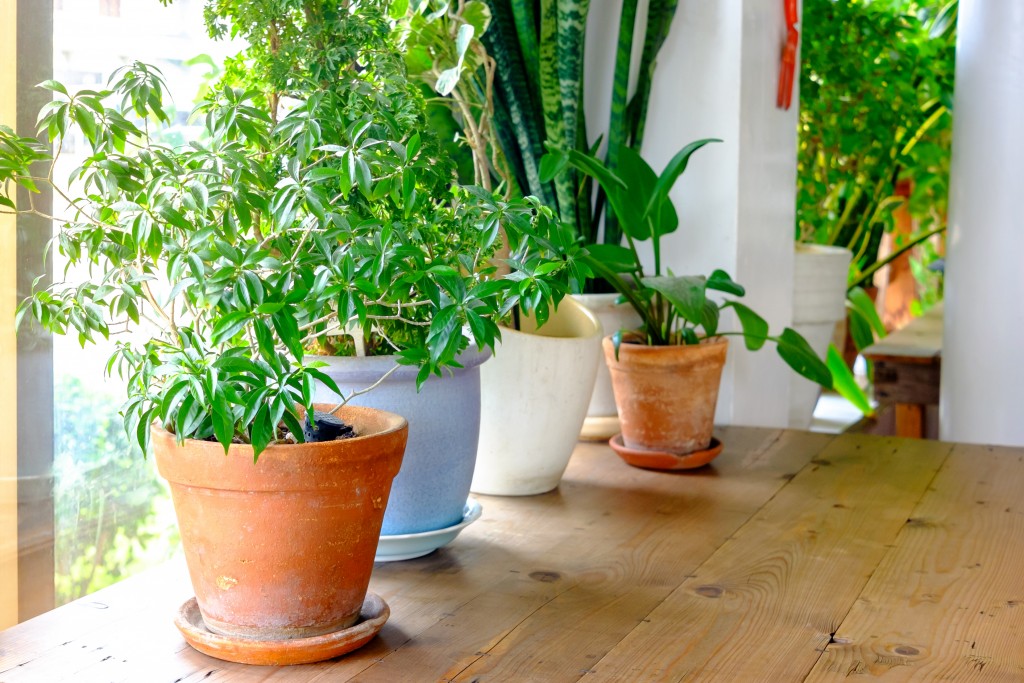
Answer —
799 355
755 328
673 170
618 258
685 293
720 281
859 300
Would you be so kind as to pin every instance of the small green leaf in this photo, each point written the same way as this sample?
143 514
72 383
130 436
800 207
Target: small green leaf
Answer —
755 328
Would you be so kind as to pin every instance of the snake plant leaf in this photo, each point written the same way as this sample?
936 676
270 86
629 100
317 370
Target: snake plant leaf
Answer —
618 134
755 328
799 355
659 19
721 281
686 293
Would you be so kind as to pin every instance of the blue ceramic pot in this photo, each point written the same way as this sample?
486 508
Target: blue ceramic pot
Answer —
431 489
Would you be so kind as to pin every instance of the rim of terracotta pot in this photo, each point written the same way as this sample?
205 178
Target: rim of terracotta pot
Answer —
641 354
578 314
369 369
283 467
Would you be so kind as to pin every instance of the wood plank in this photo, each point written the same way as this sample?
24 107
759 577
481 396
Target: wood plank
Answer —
947 602
770 598
568 635
910 420
899 382
921 338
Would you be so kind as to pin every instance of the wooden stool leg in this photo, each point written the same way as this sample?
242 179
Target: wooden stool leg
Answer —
910 420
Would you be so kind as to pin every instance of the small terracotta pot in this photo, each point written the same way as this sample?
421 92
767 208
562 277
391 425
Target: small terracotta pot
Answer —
666 395
283 548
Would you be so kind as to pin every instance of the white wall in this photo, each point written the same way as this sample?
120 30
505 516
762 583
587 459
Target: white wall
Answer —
717 77
982 397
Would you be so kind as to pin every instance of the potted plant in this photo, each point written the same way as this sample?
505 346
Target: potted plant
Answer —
666 373
438 251
304 209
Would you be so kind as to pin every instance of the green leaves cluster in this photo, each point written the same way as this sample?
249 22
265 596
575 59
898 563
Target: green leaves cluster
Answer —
673 309
875 102
316 204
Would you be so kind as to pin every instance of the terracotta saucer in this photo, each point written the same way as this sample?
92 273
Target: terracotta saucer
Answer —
661 460
281 652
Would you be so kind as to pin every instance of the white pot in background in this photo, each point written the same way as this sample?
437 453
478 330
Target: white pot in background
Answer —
819 302
602 416
534 395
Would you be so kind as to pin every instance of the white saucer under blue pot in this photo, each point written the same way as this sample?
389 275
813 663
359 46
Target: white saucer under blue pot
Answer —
392 548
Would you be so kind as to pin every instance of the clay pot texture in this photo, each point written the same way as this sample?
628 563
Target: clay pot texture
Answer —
283 547
666 395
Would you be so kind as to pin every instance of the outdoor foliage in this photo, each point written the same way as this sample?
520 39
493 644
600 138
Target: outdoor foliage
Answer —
875 101
106 498
318 203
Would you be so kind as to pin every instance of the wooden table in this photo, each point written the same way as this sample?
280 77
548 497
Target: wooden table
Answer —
908 368
794 556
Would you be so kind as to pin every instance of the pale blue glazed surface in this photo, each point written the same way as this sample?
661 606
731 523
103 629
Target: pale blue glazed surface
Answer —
431 489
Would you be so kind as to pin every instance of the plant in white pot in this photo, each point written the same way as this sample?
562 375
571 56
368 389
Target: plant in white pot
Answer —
220 262
666 372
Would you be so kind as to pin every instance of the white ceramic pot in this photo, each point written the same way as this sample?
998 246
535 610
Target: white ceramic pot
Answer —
534 396
602 420
819 302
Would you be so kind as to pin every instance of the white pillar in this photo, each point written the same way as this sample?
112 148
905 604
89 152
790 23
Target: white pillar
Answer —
717 77
982 397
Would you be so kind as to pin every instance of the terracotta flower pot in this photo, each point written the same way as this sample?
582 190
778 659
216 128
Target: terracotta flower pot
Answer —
666 394
283 548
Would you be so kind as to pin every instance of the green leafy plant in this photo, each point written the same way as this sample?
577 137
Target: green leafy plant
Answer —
673 309
875 101
316 204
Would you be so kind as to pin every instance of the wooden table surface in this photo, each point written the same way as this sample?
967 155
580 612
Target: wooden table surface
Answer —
794 556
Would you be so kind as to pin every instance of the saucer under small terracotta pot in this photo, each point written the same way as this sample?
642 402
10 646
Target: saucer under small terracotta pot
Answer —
662 460
666 395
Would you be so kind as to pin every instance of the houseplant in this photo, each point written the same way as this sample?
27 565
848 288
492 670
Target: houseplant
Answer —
667 417
512 74
311 206
456 249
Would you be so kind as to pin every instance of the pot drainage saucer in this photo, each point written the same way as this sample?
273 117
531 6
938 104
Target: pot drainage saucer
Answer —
407 546
662 460
287 651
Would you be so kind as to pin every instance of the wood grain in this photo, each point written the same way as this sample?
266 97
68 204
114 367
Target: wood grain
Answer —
921 339
769 599
792 555
947 602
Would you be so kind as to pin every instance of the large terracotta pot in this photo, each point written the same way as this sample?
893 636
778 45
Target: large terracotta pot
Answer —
534 396
283 548
666 394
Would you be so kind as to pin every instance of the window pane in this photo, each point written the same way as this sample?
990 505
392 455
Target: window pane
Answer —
112 512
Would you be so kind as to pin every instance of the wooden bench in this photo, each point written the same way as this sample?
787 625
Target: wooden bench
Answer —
792 557
908 369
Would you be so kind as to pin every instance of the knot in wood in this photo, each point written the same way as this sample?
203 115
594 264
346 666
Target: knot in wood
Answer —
709 591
